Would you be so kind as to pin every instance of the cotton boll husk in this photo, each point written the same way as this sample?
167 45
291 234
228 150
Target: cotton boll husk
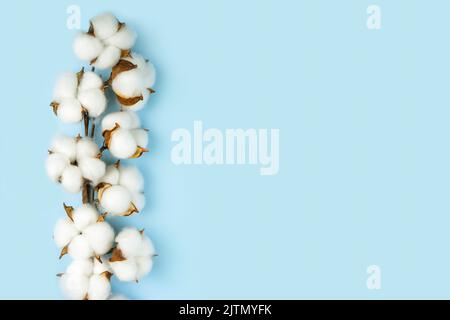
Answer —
125 270
90 80
74 286
100 267
116 200
94 100
69 111
129 241
144 266
84 216
124 39
87 47
99 287
105 25
92 169
87 148
122 144
138 200
66 86
55 165
128 84
139 104
141 137
124 119
131 178
64 232
147 247
108 58
80 248
100 236
72 179
83 267
111 175
66 146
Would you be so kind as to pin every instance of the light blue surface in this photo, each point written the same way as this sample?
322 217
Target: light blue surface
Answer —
365 161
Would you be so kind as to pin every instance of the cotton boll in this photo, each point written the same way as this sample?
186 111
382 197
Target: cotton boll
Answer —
82 267
147 247
92 169
131 178
111 175
74 286
90 80
100 236
128 84
84 216
55 165
124 39
124 119
80 248
66 146
144 266
122 144
125 270
105 25
141 103
116 200
69 110
87 47
108 58
72 179
87 148
64 232
141 137
138 200
94 100
66 86
129 241
99 287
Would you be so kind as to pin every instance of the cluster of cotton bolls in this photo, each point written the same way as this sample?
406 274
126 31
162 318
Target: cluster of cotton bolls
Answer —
106 41
120 191
78 94
123 135
72 160
75 162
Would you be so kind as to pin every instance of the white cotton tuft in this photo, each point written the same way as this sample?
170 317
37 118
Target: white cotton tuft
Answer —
74 286
124 39
90 80
87 47
129 241
123 118
84 216
92 169
147 247
69 110
100 236
135 122
122 144
94 100
87 148
144 266
138 200
100 267
108 58
63 232
66 146
116 200
80 248
131 178
111 175
128 84
55 165
83 267
141 137
125 270
105 25
72 179
66 86
99 287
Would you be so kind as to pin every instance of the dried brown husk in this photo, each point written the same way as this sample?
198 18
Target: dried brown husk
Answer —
69 211
101 187
139 152
117 256
107 135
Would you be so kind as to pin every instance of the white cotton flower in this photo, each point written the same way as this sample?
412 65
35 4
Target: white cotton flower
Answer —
75 93
55 165
92 169
66 146
87 148
83 234
123 136
85 280
133 257
132 81
121 190
72 179
105 42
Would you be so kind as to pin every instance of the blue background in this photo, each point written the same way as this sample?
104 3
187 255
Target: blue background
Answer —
364 150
